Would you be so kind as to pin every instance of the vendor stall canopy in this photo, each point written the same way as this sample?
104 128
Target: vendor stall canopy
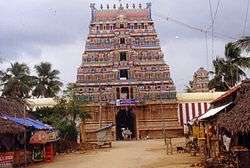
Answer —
213 111
105 127
14 119
237 119
28 122
8 127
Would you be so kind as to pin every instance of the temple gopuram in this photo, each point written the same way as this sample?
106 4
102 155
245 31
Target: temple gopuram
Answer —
123 79
200 81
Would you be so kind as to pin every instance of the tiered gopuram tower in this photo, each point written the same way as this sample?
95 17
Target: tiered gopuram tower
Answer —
123 78
200 81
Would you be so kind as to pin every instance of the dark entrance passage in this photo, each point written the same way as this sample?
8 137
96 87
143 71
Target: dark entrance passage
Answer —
125 119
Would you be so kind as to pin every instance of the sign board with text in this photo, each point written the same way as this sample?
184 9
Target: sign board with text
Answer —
126 102
6 159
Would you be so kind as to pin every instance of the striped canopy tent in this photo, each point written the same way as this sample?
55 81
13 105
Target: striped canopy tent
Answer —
193 105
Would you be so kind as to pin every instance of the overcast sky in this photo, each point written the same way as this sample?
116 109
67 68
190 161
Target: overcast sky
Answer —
32 31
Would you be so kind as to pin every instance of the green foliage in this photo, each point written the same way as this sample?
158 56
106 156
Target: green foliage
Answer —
56 116
17 81
50 115
64 115
47 82
217 84
228 71
68 130
1 76
75 108
244 43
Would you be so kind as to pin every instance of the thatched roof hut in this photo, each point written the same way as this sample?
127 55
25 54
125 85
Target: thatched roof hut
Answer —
227 97
8 127
13 108
237 119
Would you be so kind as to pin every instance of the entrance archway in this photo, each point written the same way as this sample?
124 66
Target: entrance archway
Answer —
125 119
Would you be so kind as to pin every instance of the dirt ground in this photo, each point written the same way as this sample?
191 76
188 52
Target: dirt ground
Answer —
126 154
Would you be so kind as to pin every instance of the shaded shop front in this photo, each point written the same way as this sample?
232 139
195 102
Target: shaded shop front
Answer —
224 131
25 140
20 135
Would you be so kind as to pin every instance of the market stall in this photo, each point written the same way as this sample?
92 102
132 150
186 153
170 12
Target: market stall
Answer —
11 144
226 129
6 159
16 129
44 145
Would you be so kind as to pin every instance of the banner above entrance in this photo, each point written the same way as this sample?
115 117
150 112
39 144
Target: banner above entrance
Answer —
126 102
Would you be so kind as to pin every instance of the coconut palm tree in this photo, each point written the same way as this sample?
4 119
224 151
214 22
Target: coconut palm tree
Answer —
1 75
1 71
229 70
244 43
17 81
235 64
218 82
47 81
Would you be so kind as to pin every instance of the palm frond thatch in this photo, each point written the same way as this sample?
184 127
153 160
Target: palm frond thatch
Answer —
8 127
237 119
14 108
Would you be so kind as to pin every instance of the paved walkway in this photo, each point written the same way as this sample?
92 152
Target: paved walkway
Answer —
128 154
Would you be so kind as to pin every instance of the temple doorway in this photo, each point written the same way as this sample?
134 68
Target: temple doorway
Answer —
125 119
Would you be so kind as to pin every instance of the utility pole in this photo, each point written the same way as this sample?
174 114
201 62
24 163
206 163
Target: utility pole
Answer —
23 103
25 137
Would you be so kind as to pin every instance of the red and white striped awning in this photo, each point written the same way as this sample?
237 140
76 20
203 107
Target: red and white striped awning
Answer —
188 111
213 111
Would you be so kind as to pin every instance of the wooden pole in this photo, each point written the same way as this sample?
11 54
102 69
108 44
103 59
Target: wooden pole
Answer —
100 106
163 121
25 138
83 131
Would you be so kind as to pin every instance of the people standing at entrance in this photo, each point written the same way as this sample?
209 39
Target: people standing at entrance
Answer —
123 133
126 134
129 133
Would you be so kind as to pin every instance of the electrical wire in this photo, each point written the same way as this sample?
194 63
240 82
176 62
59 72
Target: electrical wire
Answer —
211 10
212 27
216 34
217 9
245 21
205 31
215 14
213 19
207 49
